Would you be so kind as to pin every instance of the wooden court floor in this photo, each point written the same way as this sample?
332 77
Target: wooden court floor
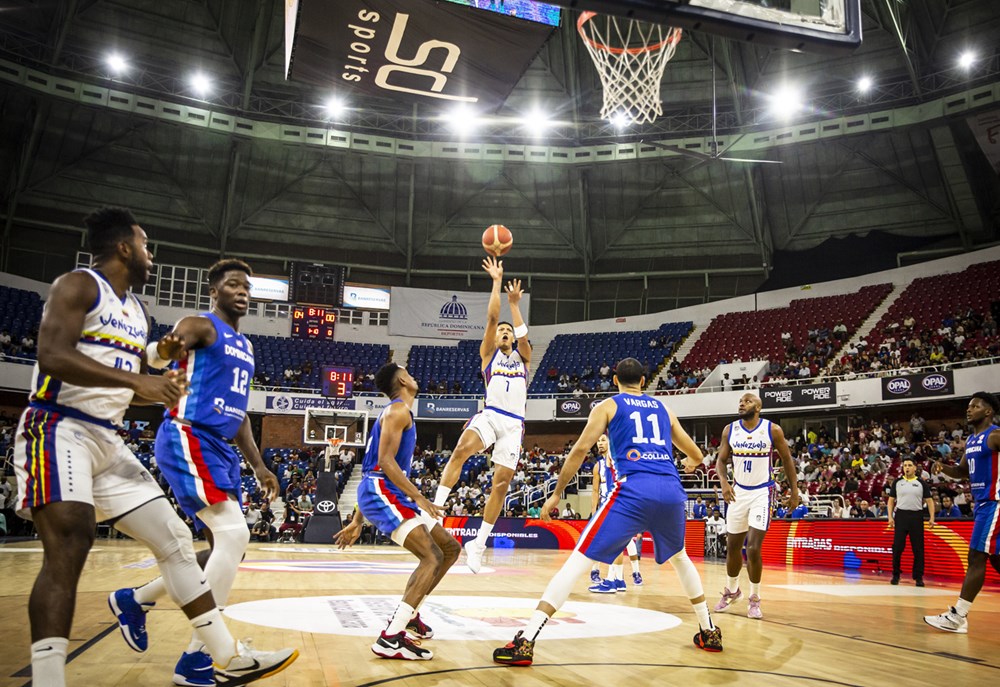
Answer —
819 628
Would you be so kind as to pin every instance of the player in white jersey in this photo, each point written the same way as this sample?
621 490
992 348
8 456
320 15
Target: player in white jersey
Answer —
748 444
605 477
501 422
73 468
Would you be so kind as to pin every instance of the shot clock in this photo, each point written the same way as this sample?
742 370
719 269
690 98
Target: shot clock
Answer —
338 382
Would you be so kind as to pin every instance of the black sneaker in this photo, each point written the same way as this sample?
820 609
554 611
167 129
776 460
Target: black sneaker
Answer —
418 628
894 580
518 652
919 583
709 640
400 646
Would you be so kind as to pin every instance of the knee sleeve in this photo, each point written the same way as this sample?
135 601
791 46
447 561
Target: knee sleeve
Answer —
688 575
562 583
229 542
156 525
631 549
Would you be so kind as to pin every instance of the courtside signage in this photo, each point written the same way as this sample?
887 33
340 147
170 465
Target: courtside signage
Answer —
795 396
927 385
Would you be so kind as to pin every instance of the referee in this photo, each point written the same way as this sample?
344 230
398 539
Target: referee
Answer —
907 497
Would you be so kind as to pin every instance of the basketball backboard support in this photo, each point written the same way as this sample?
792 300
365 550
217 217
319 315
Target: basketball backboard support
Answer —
806 25
350 427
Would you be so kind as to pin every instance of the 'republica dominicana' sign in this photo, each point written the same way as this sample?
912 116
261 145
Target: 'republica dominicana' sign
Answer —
794 396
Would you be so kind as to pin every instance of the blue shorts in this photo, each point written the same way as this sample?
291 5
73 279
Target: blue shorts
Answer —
384 504
641 503
201 468
986 530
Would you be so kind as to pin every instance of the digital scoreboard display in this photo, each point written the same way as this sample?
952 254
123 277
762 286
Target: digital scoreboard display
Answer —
338 382
309 322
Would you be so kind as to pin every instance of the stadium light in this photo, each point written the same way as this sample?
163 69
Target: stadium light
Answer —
620 120
966 60
201 84
462 120
537 121
116 63
864 84
334 106
785 102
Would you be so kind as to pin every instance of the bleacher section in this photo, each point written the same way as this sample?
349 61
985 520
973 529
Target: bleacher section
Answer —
571 354
20 314
449 364
756 335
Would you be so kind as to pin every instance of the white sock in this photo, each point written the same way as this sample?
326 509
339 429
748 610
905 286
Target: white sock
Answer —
400 618
48 662
755 589
733 584
619 569
212 630
442 495
597 566
484 532
704 619
535 624
148 593
635 565
962 607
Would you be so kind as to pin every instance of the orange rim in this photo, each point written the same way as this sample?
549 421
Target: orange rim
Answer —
672 39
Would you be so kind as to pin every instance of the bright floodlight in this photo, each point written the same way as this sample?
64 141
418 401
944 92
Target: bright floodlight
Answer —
537 121
620 120
461 120
116 63
785 102
966 59
200 83
865 84
334 106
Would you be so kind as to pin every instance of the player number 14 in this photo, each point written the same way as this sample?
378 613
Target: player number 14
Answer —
240 380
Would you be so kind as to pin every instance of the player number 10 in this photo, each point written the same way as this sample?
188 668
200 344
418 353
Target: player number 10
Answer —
641 438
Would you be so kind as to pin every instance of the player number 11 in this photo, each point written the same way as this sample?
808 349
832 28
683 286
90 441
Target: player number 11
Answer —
641 438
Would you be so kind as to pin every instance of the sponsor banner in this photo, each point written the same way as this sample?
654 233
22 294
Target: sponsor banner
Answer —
445 409
366 297
269 288
794 396
278 403
865 545
986 128
417 50
576 408
373 405
927 385
436 314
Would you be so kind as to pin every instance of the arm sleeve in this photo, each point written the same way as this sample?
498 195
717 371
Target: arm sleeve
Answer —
927 489
891 493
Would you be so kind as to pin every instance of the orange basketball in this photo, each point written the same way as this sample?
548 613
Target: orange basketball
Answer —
497 240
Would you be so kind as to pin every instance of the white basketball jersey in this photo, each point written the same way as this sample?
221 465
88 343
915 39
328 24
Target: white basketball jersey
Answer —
114 334
506 383
751 453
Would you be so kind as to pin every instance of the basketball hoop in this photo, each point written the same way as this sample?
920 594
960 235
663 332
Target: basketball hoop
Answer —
335 442
630 57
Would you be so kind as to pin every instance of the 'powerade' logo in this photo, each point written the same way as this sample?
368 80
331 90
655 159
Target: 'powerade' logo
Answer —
934 382
571 406
898 386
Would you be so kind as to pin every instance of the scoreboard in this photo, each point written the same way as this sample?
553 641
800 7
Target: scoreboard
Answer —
309 322
338 382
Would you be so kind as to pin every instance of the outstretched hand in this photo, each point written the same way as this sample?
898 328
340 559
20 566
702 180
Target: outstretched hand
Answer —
493 267
514 291
171 346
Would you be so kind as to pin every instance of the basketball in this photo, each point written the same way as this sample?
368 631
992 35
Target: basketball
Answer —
497 240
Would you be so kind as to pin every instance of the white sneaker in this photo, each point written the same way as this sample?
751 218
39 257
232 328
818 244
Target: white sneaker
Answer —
474 555
949 621
249 665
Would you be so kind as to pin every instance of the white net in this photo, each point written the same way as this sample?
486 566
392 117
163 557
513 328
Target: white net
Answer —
630 57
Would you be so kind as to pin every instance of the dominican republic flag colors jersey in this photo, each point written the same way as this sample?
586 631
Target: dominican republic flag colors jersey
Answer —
404 454
640 437
984 466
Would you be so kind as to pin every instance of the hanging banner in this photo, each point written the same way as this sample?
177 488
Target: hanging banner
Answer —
927 385
795 396
417 50
986 128
435 314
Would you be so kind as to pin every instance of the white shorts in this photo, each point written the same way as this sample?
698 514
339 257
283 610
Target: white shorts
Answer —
752 508
502 432
59 458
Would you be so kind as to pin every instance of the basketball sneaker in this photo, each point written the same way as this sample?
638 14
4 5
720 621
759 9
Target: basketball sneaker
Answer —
603 587
418 628
400 646
727 600
131 618
474 555
194 670
709 640
595 575
949 621
620 586
753 610
517 652
637 579
249 665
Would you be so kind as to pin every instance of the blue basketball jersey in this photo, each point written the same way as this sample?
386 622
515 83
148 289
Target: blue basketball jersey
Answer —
404 454
609 475
219 382
984 466
640 436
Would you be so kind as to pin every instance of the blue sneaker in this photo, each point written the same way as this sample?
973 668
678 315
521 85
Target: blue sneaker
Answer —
194 670
595 576
619 585
637 579
603 587
131 618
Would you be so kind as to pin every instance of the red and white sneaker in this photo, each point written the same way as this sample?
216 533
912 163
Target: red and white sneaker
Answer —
400 646
418 628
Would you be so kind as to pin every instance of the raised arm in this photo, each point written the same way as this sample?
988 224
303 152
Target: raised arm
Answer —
494 268
188 334
514 293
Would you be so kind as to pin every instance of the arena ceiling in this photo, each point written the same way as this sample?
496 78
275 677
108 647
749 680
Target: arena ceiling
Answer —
631 229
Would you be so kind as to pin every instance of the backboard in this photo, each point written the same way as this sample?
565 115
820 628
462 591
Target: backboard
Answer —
349 427
806 25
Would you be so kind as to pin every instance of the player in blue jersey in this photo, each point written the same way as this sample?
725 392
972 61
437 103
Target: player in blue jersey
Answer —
388 498
647 497
605 476
194 454
73 468
981 465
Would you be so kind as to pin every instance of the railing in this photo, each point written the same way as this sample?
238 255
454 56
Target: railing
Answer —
547 487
